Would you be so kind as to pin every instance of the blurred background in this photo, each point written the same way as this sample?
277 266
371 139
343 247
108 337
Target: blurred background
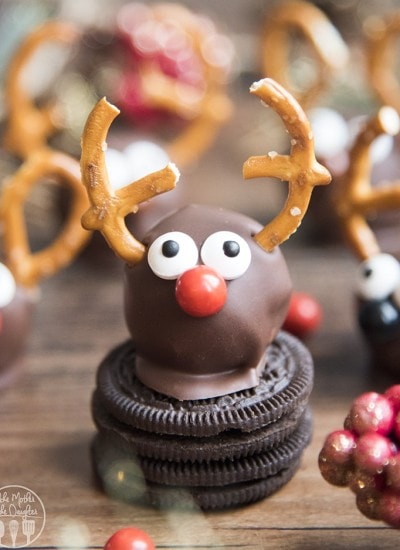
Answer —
74 76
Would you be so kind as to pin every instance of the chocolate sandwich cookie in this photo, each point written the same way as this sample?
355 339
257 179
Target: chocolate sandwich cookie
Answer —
234 444
221 472
227 496
285 385
121 477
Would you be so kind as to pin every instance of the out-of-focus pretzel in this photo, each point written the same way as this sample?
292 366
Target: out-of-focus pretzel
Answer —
204 110
300 168
381 55
28 126
110 207
28 267
331 53
356 198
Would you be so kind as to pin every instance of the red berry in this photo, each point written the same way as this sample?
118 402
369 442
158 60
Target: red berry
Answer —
371 412
372 452
304 315
339 446
129 538
393 394
389 507
368 505
334 473
396 428
201 291
393 472
365 483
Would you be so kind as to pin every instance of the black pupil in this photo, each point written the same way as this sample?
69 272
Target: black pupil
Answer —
170 249
231 249
368 272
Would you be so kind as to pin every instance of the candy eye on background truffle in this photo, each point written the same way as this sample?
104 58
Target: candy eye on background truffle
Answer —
378 277
8 286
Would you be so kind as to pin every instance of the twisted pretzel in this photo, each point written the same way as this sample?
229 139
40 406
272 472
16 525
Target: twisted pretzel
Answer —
27 267
329 49
109 207
29 127
356 198
300 168
381 56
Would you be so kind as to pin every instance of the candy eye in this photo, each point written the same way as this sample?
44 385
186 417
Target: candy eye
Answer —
171 254
7 286
226 252
378 277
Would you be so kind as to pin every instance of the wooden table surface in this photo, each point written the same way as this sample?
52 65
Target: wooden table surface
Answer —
46 428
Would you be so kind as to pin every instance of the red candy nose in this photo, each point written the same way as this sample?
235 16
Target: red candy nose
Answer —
200 291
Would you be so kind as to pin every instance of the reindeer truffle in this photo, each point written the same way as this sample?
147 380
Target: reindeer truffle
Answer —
206 294
378 275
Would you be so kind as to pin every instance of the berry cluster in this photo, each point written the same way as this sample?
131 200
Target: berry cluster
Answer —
365 455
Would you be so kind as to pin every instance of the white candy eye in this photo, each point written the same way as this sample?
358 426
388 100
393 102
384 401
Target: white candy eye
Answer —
226 252
7 286
171 254
378 277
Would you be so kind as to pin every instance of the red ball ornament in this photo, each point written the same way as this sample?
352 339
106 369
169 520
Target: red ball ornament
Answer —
304 315
389 507
339 446
393 394
393 473
372 452
371 412
129 538
201 291
396 428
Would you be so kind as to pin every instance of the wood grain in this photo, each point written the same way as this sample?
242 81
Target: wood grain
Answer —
46 428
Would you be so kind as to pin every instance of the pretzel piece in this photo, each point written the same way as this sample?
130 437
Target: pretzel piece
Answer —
381 34
300 168
27 267
356 198
29 126
330 51
110 207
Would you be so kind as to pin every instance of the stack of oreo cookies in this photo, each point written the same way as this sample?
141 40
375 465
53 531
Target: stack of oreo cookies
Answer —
219 452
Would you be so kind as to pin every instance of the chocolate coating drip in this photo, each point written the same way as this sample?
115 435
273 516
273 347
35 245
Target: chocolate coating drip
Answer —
197 358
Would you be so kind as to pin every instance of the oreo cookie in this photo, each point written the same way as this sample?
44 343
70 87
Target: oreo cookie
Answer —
234 444
122 478
221 472
216 452
285 385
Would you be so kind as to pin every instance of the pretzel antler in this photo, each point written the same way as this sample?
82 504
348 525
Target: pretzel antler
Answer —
28 126
28 267
331 53
356 197
110 207
381 35
300 168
